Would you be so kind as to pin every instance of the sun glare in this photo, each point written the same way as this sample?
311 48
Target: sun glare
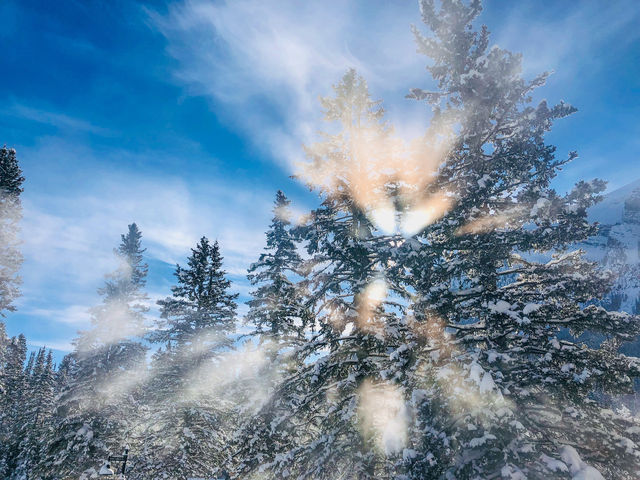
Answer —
384 217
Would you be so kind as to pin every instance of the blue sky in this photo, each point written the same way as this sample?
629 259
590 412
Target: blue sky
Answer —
186 117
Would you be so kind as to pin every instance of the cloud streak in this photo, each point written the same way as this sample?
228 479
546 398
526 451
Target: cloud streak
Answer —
54 119
268 61
271 60
68 240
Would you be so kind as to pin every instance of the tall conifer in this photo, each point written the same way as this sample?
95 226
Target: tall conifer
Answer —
462 348
185 430
102 376
317 424
12 414
501 395
276 309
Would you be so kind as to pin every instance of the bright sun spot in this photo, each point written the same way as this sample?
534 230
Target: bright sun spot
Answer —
384 217
415 220
376 291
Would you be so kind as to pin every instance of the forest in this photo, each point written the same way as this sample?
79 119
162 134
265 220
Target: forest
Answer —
433 317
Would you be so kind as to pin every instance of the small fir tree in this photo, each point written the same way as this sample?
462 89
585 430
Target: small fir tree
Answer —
276 309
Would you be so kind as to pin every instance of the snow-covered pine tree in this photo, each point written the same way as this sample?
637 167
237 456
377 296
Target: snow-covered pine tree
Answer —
496 394
276 308
319 423
29 369
38 407
94 411
4 345
483 387
186 428
11 180
63 373
12 399
278 317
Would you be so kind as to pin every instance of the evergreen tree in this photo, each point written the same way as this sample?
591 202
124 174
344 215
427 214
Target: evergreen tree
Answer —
11 180
4 345
201 308
276 308
38 408
122 313
45 381
318 423
12 414
278 316
185 431
63 373
501 395
102 377
463 351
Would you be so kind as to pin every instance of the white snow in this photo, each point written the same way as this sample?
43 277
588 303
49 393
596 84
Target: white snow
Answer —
475 373
444 373
582 376
579 469
482 182
347 329
105 470
553 464
540 204
500 306
567 367
476 442
487 384
512 473
85 431
609 210
409 453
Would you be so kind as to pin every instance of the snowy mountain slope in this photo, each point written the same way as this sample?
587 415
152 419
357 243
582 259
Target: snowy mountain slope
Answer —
617 246
610 210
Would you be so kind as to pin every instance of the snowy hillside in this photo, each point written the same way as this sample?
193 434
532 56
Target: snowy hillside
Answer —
618 244
610 210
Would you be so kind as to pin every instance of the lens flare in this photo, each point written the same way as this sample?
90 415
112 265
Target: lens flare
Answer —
418 218
490 222
376 292
384 217
384 414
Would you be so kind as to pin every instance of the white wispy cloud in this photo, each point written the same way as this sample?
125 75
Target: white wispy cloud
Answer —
84 227
54 119
170 217
269 61
68 240
63 346
76 315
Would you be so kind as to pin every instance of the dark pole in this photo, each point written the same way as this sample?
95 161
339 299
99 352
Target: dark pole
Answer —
124 462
